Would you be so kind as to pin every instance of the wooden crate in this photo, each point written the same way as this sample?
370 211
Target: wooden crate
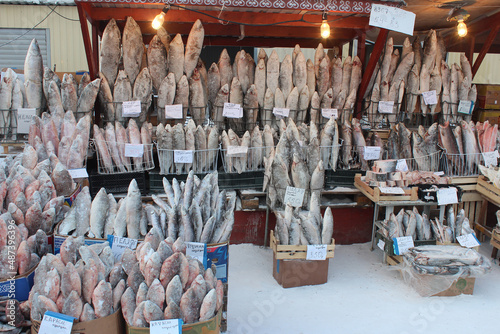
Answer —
495 238
488 190
286 252
375 195
394 260
250 199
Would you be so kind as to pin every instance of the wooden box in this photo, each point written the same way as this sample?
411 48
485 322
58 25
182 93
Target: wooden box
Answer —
375 195
488 96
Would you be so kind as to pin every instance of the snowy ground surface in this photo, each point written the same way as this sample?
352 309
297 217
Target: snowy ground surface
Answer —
361 296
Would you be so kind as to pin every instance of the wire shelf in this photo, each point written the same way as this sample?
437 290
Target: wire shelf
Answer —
428 163
106 164
204 161
8 127
326 153
457 165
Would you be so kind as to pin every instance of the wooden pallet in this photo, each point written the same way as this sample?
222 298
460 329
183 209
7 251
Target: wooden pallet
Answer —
287 252
375 195
16 147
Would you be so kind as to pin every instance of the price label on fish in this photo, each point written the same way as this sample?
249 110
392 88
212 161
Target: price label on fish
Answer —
131 108
294 196
372 153
430 97
490 158
468 240
56 323
281 112
174 111
134 150
465 107
402 244
78 173
401 165
170 326
392 18
237 150
232 110
329 113
447 196
119 244
385 107
392 190
24 117
316 252
197 250
183 156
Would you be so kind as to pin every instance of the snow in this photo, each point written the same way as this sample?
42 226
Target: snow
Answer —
362 295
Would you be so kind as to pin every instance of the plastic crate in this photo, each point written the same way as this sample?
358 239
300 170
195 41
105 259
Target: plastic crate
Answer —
117 183
245 180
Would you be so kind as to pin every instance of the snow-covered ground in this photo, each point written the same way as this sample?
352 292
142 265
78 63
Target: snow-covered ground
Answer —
361 296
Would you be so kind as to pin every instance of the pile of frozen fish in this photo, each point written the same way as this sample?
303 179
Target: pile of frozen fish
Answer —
301 227
163 283
203 140
492 174
353 145
453 227
111 142
21 317
447 260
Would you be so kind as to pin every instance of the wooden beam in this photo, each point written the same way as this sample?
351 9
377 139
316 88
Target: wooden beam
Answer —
484 50
95 48
470 52
362 46
269 42
86 40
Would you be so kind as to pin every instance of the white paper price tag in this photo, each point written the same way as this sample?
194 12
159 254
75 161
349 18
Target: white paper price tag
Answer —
131 108
56 323
386 107
78 173
24 117
402 244
447 196
183 156
465 107
329 113
381 244
232 110
401 165
237 150
294 196
170 326
439 173
282 112
119 244
430 97
372 153
490 158
468 240
197 250
392 18
316 252
134 150
174 111
392 190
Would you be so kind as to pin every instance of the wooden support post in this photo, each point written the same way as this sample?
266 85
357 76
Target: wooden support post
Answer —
86 40
95 48
362 46
484 50
472 44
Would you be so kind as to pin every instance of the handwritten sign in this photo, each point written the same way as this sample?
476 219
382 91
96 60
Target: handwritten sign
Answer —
282 112
232 110
134 150
381 244
329 113
183 156
392 190
371 153
468 240
78 173
294 196
430 97
490 158
197 250
24 117
170 326
56 323
316 252
131 108
392 18
119 244
447 196
237 150
174 111
401 165
402 244
465 107
386 107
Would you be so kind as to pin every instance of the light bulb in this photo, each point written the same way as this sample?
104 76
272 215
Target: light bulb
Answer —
462 28
158 21
325 29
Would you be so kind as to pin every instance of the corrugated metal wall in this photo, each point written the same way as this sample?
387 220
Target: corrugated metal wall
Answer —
16 41
66 42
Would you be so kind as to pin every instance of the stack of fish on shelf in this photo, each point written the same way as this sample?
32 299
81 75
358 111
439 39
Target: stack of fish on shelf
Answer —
420 70
300 227
402 179
202 140
111 145
455 226
353 145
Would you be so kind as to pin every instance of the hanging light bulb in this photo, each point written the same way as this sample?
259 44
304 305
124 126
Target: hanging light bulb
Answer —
459 15
325 27
160 18
461 28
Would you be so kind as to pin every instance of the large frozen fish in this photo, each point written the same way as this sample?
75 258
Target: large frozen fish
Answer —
69 94
33 76
110 52
176 57
87 99
143 87
193 47
225 68
133 49
197 100
273 71
213 83
157 61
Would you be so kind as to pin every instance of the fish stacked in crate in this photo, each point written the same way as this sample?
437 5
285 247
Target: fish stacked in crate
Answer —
407 223
111 145
202 140
164 283
401 179
454 226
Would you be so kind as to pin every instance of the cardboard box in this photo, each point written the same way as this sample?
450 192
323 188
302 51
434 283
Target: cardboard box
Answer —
298 272
492 116
488 96
218 254
463 285
19 288
112 324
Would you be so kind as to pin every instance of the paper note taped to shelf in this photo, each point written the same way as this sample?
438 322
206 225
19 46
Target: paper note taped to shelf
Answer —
392 18
401 165
402 244
119 244
134 150
232 110
430 97
294 196
316 252
491 158
78 173
468 240
392 190
169 326
465 107
283 112
183 156
174 111
24 117
329 113
56 323
237 150
386 107
131 108
197 250
372 153
447 196
381 244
